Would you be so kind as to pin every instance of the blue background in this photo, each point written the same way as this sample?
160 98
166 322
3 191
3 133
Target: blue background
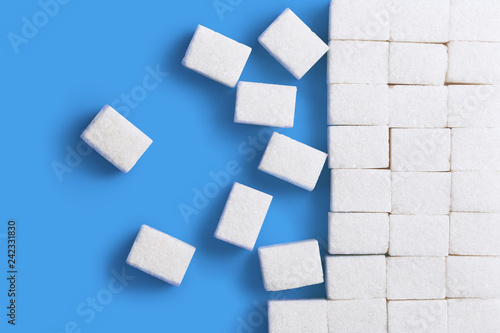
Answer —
76 226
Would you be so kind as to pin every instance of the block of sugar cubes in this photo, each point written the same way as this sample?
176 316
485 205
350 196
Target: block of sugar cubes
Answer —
358 233
426 149
357 316
361 190
474 106
358 62
358 147
469 276
418 106
475 191
359 20
160 255
416 63
358 104
355 277
265 104
419 235
475 149
476 20
474 315
216 56
296 316
416 278
116 139
243 215
293 44
473 62
418 316
290 265
423 21
292 161
421 193
475 234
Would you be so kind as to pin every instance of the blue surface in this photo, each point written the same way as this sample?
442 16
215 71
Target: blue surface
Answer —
75 227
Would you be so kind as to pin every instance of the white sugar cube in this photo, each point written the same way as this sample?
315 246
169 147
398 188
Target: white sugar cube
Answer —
473 62
160 255
357 316
416 278
359 20
420 149
418 316
475 20
418 106
116 139
419 235
292 161
361 190
473 277
414 63
358 62
476 191
293 43
475 234
358 147
421 193
358 233
265 104
475 149
216 56
474 106
355 277
296 316
474 315
420 21
358 104
243 215
290 265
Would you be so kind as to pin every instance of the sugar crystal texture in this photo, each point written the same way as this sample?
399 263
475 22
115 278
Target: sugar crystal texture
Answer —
475 20
418 316
475 234
474 106
357 316
474 315
297 316
471 276
473 62
475 191
475 149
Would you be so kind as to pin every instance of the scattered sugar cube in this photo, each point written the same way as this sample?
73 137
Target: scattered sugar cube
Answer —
475 149
359 19
420 149
473 277
292 161
361 190
418 316
116 139
475 234
293 44
416 278
243 215
414 63
474 106
418 106
475 20
296 316
358 62
265 104
355 277
358 233
476 191
358 147
420 21
419 235
421 193
474 315
357 316
358 104
291 265
160 255
473 62
216 56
